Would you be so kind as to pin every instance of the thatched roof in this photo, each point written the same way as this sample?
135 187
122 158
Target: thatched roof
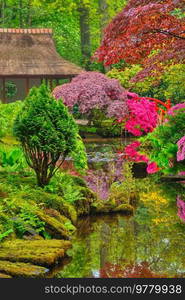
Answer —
32 52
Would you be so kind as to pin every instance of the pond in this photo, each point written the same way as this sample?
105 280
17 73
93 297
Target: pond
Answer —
151 243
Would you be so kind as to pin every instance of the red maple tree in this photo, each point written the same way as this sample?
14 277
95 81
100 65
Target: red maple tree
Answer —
140 28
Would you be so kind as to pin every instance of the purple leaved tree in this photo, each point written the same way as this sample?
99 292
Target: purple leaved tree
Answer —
92 90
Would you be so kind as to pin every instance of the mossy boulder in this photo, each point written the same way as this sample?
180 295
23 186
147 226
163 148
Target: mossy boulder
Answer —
126 208
19 269
83 206
111 206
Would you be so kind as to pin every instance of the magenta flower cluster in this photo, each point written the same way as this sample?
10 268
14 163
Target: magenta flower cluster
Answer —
91 90
181 208
181 149
142 116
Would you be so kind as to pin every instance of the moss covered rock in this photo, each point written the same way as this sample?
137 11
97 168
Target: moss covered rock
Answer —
126 208
110 207
21 269
83 206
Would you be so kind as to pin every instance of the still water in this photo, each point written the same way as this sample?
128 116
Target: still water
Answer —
151 243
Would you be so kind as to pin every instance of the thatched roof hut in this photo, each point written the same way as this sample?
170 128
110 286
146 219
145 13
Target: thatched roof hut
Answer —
30 55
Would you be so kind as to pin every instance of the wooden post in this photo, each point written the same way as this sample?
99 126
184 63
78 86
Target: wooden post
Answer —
4 90
27 86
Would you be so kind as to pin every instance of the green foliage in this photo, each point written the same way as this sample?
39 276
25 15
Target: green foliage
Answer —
5 234
161 144
70 188
12 159
8 113
169 86
28 221
48 134
124 76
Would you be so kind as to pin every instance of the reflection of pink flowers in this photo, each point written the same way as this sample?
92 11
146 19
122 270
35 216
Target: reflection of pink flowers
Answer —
181 208
152 168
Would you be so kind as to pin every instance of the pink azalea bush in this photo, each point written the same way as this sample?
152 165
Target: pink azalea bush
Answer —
175 108
132 154
152 168
142 116
181 149
92 90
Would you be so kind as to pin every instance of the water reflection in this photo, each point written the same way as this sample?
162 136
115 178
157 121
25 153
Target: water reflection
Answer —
119 246
151 243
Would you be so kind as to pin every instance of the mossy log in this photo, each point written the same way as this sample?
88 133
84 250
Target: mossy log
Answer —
20 269
53 226
44 253
5 276
22 244
43 257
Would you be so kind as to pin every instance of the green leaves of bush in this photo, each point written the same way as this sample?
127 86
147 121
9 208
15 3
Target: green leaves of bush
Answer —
48 134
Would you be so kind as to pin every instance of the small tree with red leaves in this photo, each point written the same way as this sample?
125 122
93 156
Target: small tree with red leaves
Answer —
148 32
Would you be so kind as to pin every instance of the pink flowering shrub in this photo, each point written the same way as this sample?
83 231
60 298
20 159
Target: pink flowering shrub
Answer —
175 108
132 154
181 208
92 90
142 116
152 168
181 149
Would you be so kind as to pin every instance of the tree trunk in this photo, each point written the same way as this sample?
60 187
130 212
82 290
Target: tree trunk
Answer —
85 35
104 17
28 17
20 14
2 12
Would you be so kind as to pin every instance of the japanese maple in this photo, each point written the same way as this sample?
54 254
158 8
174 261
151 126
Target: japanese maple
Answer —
91 90
147 32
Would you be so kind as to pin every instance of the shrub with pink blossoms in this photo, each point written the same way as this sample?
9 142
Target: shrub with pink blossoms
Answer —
175 108
152 168
132 153
142 116
181 149
91 90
